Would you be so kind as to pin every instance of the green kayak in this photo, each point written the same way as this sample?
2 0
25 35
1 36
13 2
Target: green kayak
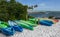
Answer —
3 24
29 23
36 19
24 25
33 19
6 29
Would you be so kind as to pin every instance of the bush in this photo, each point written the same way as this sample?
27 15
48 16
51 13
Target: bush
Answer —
31 17
12 10
50 17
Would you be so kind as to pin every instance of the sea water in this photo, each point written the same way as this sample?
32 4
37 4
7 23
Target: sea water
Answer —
46 14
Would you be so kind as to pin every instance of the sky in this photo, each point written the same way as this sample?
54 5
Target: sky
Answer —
43 5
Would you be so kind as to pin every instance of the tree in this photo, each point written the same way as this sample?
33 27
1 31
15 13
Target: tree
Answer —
12 1
3 10
12 10
32 7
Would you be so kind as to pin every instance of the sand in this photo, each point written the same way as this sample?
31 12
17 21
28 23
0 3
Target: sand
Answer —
39 31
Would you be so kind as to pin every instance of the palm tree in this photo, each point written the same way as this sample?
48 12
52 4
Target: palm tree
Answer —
32 7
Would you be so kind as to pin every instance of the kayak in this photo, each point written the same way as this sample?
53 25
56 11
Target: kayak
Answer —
46 23
8 31
15 26
24 25
54 21
5 29
33 20
29 23
36 19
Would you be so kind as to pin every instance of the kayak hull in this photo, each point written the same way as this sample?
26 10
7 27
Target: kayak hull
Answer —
15 26
45 23
8 31
29 23
20 23
18 28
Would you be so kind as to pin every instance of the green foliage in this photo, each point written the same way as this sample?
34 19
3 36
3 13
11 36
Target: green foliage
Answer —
12 10
31 17
50 17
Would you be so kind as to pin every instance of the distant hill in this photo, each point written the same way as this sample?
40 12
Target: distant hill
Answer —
36 12
43 12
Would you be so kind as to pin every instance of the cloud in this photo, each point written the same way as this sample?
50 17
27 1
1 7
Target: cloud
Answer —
42 4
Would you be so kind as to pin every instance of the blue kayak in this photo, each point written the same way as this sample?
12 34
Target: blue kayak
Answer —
8 31
49 21
5 29
15 26
45 23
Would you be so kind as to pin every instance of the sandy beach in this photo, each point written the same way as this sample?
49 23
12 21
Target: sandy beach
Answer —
39 31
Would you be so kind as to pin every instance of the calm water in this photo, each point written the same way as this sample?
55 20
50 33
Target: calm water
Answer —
47 14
